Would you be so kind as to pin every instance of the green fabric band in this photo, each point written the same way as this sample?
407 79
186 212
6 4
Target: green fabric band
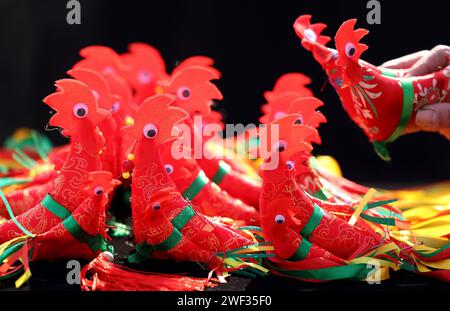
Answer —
54 207
313 222
169 243
407 109
183 217
197 185
221 172
143 250
302 251
95 243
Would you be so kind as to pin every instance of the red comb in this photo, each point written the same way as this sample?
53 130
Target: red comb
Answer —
101 59
294 138
290 82
71 98
200 61
347 42
145 65
306 107
157 110
310 33
193 90
98 85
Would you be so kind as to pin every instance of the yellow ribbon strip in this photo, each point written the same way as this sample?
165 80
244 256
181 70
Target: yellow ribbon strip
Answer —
369 195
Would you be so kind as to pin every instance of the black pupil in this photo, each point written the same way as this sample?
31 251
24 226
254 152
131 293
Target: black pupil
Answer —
281 148
81 112
351 52
298 121
289 166
98 192
279 221
186 93
156 207
168 169
151 133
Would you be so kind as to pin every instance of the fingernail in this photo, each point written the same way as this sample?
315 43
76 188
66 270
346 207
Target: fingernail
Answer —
427 119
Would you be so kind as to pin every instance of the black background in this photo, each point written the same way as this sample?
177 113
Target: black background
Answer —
252 42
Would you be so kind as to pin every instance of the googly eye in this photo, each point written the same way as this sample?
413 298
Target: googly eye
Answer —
80 110
150 130
310 34
184 93
99 190
280 146
290 165
350 49
168 168
278 115
144 76
115 107
156 206
279 219
298 121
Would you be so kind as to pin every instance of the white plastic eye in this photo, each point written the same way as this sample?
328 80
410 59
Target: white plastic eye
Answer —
144 76
115 107
156 206
350 49
279 219
99 190
184 93
310 34
80 110
280 146
290 165
278 115
168 168
150 130
298 121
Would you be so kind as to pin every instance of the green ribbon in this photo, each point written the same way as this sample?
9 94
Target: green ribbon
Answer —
143 250
353 271
302 251
221 172
183 217
321 194
95 243
379 220
55 208
197 185
436 252
407 109
313 222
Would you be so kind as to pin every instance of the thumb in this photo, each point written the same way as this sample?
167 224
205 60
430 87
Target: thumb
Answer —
434 118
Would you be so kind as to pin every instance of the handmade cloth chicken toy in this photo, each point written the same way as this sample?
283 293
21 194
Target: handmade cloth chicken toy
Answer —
381 101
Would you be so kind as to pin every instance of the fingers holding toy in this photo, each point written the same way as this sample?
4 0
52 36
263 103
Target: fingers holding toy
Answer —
435 118
430 62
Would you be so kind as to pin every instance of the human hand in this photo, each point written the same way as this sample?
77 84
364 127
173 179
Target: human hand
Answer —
436 117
